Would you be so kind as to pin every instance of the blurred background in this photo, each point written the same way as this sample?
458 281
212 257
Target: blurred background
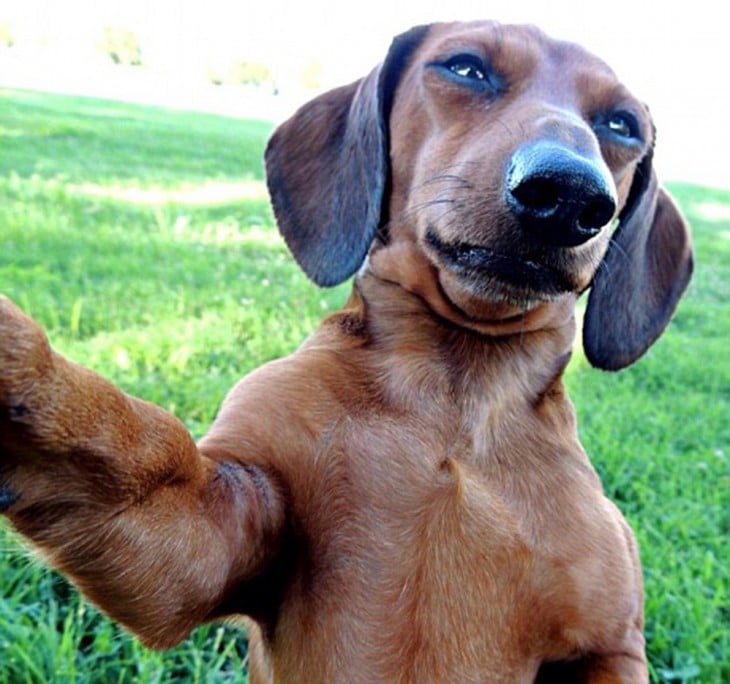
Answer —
262 58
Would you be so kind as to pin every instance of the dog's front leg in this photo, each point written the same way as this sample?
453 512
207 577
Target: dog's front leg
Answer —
116 494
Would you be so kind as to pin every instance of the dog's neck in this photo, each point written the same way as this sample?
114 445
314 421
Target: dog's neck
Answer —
429 349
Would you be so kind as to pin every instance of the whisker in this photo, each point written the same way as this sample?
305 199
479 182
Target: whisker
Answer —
448 177
413 210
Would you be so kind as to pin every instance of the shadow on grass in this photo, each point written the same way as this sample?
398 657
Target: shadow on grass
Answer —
88 140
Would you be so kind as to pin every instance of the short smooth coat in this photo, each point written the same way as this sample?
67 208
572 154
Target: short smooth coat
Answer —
405 497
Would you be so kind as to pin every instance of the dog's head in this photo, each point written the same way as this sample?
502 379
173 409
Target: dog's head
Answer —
493 171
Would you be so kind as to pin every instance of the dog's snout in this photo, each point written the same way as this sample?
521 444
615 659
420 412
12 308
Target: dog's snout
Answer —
562 198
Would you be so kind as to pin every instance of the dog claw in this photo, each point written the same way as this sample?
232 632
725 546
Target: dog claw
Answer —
16 412
7 498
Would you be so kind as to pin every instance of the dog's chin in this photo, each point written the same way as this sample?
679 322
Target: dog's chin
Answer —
489 299
486 284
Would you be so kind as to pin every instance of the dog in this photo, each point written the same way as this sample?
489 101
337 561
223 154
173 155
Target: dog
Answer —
404 498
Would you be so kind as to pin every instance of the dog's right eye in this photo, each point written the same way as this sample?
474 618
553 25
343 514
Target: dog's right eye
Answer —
468 70
468 67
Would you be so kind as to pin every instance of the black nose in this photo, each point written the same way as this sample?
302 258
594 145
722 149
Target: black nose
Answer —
560 197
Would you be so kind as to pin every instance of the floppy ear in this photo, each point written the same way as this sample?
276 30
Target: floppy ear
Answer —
644 273
328 170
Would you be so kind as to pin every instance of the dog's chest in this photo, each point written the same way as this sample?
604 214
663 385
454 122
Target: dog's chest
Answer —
428 546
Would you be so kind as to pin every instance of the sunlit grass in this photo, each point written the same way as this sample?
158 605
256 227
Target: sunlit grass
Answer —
142 240
205 194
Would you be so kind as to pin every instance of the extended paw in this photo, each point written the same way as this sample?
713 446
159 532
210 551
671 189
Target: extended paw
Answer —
25 356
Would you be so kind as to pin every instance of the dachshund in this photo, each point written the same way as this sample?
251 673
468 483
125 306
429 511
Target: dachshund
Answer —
405 497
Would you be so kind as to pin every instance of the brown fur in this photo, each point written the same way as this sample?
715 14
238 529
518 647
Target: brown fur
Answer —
404 499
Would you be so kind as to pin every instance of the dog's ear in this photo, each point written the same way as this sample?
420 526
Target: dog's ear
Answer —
328 167
640 280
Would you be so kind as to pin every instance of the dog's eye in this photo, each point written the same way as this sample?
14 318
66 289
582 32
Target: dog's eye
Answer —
621 125
467 67
469 71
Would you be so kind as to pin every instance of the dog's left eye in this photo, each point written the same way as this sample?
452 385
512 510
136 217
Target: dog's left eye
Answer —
620 125
623 125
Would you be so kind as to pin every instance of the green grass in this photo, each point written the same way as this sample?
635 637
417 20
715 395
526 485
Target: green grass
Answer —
142 240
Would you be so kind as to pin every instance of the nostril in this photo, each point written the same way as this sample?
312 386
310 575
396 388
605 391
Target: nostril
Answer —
538 195
596 214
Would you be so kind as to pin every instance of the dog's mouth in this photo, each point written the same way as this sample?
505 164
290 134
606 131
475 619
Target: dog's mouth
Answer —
506 277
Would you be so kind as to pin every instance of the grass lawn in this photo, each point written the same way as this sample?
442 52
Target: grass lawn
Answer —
142 240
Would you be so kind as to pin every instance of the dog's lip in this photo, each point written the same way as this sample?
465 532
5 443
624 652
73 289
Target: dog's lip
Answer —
476 261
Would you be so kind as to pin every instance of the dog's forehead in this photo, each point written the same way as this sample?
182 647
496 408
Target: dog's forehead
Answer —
510 42
523 52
